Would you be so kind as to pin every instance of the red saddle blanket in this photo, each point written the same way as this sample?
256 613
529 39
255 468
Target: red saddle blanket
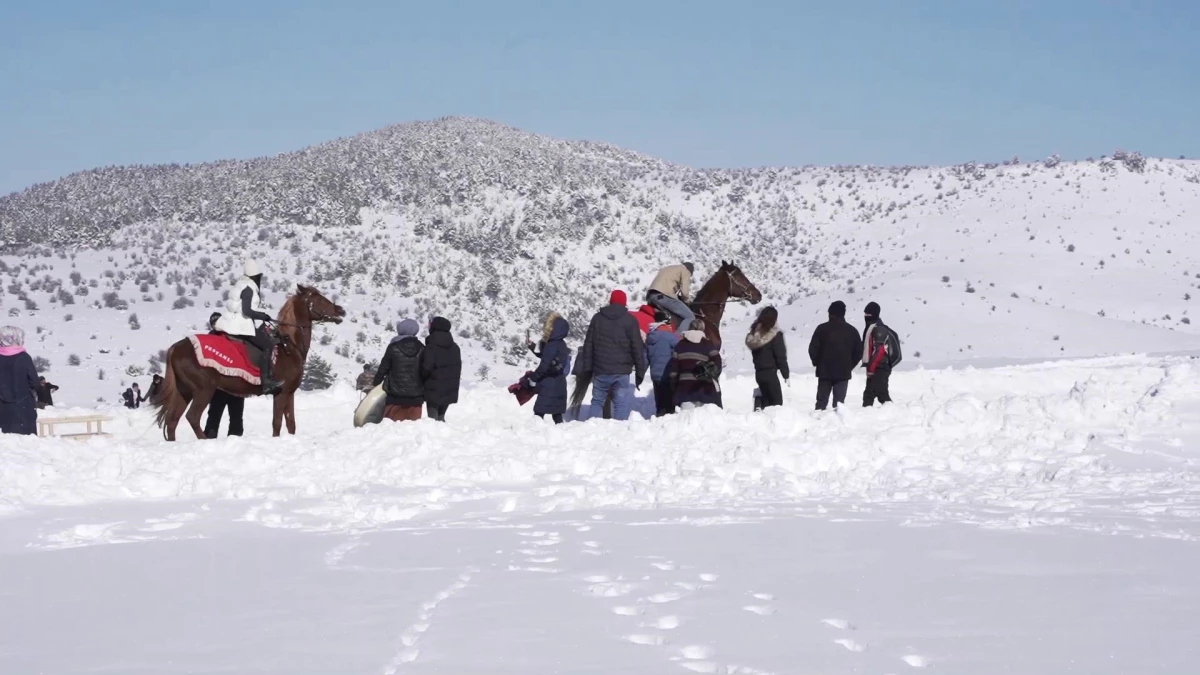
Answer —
226 355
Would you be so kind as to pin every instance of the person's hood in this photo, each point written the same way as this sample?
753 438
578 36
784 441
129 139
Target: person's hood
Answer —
756 340
694 336
408 345
560 328
548 325
664 326
647 310
11 336
613 312
407 328
440 324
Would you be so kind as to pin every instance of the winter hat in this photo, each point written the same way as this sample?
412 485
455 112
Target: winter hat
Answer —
837 308
618 297
11 336
690 267
872 310
408 328
251 268
440 324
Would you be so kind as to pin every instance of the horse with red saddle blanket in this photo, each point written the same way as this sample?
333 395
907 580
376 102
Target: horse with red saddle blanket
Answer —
198 365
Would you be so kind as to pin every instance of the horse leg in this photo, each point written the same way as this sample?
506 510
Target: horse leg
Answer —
277 419
199 402
289 412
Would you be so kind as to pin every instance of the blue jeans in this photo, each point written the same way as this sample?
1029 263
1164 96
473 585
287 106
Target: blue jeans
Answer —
674 306
622 403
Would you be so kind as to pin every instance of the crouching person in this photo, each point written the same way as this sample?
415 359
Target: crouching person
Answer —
549 380
696 370
400 374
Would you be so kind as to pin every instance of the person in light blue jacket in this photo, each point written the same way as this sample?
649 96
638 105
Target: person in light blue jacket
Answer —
660 349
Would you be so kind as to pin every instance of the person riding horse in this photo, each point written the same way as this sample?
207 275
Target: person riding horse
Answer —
669 292
245 320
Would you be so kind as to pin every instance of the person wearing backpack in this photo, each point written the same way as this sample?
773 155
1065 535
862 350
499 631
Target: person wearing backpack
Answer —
881 353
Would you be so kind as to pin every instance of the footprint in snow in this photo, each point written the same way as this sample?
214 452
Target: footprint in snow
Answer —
761 610
644 639
610 589
664 566
701 666
663 598
851 645
709 577
669 622
597 578
840 624
916 661
541 561
697 652
627 610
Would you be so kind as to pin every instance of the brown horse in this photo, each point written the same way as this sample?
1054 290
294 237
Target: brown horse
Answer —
729 283
186 381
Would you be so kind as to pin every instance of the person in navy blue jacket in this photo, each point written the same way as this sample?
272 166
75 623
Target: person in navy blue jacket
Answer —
660 349
18 381
549 380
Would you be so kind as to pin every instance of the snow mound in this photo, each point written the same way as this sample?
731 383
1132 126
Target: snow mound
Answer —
1027 441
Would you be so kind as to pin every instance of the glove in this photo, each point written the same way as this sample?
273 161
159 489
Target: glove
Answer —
640 378
529 384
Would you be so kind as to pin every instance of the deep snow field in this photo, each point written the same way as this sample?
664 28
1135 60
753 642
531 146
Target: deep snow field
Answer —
1021 519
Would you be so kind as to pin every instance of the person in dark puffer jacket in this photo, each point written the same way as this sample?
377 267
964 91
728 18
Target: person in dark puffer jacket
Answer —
697 369
400 374
441 369
18 380
769 352
611 351
549 380
835 350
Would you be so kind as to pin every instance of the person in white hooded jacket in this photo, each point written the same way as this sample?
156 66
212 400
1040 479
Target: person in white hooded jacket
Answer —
244 318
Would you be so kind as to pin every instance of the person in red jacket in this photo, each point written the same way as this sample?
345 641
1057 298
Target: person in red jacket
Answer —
645 318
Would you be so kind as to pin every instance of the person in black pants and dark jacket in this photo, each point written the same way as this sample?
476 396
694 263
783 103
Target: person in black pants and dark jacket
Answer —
834 350
45 393
769 352
441 369
220 402
881 353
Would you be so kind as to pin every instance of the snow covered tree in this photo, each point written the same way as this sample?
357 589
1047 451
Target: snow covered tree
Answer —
318 374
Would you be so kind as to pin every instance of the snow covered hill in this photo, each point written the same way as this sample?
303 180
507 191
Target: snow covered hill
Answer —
492 227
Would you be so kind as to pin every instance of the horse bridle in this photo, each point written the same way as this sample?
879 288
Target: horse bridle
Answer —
733 284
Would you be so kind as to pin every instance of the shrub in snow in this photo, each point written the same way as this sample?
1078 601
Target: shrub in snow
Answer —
182 303
133 322
100 374
73 360
318 374
1071 248
41 363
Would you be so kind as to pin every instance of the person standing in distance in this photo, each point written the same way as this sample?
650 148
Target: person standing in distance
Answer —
834 350
881 353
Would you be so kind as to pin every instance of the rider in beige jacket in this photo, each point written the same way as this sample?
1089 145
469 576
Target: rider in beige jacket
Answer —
670 291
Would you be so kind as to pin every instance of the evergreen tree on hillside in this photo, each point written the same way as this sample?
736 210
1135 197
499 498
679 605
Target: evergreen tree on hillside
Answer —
318 374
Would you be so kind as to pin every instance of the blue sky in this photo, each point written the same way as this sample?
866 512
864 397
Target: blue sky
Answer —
85 84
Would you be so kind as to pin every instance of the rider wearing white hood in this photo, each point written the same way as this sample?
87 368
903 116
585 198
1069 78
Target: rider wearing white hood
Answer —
245 319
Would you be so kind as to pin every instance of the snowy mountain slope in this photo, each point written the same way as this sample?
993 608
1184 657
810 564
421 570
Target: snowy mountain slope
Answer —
492 227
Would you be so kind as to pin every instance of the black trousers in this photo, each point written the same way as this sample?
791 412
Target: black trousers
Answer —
769 387
221 401
877 388
664 397
558 419
827 387
436 412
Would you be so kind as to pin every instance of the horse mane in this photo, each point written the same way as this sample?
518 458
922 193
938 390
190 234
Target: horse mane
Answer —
287 313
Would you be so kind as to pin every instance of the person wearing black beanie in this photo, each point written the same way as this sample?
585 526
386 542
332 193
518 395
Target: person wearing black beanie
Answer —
880 354
834 350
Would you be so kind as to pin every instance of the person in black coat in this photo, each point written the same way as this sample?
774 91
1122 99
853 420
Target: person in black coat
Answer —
835 350
45 393
221 401
549 380
441 369
400 374
612 350
18 380
769 351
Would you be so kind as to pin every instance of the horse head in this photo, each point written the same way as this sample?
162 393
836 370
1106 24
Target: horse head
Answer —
740 288
320 308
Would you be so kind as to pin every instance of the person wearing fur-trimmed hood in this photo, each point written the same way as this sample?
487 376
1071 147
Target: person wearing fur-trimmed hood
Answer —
696 370
549 379
18 380
769 351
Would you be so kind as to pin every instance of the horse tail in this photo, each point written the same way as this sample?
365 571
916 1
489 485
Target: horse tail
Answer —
582 382
167 398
